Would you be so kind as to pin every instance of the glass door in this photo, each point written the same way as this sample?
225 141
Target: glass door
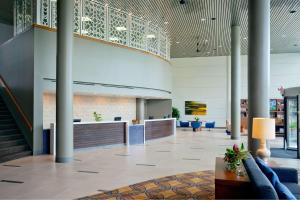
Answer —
292 122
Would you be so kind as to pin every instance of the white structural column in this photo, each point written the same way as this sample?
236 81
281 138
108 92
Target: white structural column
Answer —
258 64
140 109
64 82
235 82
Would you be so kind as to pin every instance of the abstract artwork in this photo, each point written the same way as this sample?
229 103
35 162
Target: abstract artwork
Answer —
195 108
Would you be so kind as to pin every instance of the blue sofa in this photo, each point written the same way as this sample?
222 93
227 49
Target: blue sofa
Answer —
184 124
262 187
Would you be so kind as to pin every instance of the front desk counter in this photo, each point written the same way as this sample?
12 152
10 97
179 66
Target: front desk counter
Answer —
93 134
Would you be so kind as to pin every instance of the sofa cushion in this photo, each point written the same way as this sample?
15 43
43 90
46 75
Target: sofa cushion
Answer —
270 174
260 183
282 191
294 188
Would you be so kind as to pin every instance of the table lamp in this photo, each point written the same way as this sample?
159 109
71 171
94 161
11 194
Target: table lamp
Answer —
263 129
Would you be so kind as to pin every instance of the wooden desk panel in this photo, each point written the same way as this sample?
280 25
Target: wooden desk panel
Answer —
158 129
91 135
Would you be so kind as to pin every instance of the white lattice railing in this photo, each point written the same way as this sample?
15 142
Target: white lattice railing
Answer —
93 19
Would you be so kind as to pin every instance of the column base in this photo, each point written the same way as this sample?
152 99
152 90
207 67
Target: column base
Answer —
63 159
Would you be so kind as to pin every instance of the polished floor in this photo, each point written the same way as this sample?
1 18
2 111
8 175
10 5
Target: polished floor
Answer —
100 169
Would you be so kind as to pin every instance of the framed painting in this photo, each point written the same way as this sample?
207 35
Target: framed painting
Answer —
195 108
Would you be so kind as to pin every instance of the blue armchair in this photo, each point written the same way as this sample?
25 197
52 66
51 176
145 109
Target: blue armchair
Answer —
184 124
195 125
210 125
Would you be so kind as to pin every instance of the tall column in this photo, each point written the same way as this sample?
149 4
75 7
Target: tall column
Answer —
64 82
258 64
235 82
140 109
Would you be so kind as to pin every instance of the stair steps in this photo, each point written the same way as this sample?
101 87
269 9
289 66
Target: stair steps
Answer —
12 142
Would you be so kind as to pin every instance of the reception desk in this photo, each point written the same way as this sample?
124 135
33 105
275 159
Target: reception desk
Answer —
98 134
93 134
158 128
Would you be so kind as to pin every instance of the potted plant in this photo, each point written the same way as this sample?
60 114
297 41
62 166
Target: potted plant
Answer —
196 124
176 114
233 157
97 116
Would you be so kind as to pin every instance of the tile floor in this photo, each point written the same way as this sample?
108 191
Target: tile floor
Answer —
107 168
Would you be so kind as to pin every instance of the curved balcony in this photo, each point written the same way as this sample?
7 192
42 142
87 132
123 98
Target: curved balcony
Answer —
93 19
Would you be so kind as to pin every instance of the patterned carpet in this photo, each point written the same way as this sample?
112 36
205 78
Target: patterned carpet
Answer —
195 185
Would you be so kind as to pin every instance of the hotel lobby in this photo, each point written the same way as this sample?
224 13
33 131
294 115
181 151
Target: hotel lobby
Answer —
149 99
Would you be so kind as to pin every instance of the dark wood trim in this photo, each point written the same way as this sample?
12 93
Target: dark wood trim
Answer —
158 129
99 134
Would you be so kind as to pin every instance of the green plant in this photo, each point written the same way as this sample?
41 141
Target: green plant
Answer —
234 156
97 116
293 125
175 113
197 119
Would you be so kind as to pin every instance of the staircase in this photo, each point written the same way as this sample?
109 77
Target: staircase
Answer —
12 142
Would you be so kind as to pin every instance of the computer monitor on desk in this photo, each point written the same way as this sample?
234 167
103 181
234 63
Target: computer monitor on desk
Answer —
117 118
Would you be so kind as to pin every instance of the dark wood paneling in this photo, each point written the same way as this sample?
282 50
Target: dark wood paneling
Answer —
158 129
91 135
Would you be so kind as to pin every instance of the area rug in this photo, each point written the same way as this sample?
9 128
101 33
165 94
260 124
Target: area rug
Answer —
195 185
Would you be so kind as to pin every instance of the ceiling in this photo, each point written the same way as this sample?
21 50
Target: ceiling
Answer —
6 11
192 23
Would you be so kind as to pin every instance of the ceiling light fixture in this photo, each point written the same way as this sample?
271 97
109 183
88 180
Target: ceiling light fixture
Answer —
177 42
245 38
150 36
203 19
121 28
166 22
182 1
114 39
86 19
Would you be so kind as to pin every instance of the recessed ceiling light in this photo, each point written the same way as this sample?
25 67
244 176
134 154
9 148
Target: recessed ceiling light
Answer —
245 38
177 42
121 28
84 32
205 41
293 11
203 19
86 19
166 22
213 18
150 36
114 39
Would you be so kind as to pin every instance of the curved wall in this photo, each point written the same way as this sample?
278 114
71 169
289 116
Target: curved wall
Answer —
98 62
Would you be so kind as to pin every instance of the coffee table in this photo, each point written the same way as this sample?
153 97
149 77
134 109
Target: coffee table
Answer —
228 185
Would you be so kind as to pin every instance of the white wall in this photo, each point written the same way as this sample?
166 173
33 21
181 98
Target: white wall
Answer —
6 32
204 79
85 105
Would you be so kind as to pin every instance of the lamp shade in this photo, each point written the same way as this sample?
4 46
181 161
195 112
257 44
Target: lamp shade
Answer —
263 128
